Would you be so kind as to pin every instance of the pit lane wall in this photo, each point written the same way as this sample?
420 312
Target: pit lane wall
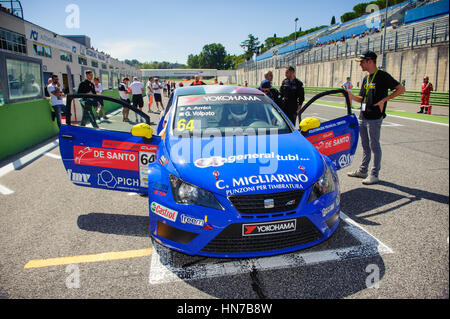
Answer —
25 124
408 67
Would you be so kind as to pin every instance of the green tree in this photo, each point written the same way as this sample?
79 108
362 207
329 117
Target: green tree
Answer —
333 20
213 56
250 46
348 16
193 61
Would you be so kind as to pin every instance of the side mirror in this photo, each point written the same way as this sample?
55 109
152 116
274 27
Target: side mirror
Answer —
309 123
142 130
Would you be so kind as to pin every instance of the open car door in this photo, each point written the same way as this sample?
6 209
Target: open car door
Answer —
336 138
107 153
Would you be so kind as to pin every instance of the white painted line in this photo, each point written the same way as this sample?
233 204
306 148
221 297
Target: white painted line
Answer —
17 164
390 124
5 190
53 155
163 270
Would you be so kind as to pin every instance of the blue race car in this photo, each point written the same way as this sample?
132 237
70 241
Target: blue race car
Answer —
227 174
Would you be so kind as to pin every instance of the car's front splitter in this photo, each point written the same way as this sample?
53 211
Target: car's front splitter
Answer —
241 239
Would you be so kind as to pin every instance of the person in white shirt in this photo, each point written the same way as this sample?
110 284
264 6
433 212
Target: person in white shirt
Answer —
157 94
99 90
137 90
149 87
56 96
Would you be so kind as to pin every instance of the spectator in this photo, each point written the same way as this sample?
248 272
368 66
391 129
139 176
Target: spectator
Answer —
268 76
87 87
347 85
425 93
197 81
137 90
123 92
49 81
164 86
157 93
271 92
293 95
56 96
373 97
98 91
149 87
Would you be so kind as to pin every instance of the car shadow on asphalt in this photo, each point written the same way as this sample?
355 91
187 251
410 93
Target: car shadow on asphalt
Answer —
337 268
360 202
117 224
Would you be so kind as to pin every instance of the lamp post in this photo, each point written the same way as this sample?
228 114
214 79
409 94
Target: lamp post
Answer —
295 42
383 53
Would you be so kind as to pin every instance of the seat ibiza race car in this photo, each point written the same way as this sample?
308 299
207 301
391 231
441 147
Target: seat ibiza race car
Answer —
227 174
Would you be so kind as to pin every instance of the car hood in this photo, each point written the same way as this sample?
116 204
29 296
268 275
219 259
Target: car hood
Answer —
247 164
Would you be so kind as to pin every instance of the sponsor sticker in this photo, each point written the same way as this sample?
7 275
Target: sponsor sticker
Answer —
109 158
334 145
269 228
327 210
79 178
164 212
130 146
185 219
108 179
163 160
320 137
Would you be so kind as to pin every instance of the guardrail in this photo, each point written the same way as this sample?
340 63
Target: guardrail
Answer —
436 98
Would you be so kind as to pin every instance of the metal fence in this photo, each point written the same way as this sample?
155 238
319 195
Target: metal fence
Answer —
426 33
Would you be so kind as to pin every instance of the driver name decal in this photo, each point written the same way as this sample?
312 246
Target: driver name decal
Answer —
109 158
334 145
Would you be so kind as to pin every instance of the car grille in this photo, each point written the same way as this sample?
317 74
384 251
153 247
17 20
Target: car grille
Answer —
254 204
230 240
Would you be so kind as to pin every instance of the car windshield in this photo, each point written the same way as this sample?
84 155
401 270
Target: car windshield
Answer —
227 113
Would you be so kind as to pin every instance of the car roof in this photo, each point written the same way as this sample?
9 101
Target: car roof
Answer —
215 89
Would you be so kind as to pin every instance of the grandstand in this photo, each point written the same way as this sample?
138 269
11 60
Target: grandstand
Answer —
411 12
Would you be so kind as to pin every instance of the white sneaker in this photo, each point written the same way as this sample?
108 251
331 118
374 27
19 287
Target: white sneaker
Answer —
370 180
357 173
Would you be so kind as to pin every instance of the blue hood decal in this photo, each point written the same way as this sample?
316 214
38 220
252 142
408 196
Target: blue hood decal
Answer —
247 164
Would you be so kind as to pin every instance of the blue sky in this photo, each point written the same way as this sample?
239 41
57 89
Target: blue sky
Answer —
170 30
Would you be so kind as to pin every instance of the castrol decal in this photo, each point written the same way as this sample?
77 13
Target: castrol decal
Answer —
163 211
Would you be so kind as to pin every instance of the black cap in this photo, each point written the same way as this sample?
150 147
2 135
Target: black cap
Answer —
366 56
265 84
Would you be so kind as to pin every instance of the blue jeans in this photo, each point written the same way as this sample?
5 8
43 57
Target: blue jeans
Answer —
370 131
59 109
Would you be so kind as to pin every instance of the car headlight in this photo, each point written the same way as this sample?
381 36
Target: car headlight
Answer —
185 193
325 185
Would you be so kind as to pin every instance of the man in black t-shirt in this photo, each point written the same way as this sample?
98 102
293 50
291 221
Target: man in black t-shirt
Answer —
293 94
373 97
87 87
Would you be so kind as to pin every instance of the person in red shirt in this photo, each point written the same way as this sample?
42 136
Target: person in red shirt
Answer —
427 88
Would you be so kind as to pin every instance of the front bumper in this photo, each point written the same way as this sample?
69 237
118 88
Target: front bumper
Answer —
222 233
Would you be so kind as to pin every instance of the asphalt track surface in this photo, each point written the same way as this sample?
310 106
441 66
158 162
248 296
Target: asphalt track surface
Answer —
396 231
